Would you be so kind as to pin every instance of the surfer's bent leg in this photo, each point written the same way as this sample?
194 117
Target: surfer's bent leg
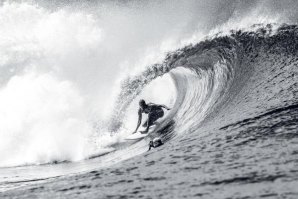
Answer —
152 117
145 123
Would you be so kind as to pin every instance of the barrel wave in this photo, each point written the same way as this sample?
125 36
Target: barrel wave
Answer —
213 75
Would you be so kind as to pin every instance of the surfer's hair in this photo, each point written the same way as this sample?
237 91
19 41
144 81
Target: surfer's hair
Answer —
142 102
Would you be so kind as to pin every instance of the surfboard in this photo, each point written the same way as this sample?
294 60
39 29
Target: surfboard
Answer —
136 136
139 135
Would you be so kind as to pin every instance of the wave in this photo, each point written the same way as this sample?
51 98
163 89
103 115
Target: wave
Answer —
211 73
58 91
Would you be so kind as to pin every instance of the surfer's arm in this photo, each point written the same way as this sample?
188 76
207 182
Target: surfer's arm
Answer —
164 106
139 120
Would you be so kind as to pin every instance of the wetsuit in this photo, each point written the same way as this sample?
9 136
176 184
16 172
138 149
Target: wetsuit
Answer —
154 112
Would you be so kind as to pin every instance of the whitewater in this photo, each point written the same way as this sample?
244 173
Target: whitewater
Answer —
72 74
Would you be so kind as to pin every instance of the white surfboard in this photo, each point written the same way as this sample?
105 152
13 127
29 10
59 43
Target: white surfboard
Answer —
139 135
136 136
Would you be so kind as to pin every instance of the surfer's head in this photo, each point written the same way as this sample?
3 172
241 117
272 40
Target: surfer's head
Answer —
142 103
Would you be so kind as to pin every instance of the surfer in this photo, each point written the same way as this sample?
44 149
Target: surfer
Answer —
154 112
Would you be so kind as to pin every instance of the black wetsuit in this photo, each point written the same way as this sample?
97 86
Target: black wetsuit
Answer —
154 112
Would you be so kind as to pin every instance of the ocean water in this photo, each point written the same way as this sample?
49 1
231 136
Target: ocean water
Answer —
72 74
